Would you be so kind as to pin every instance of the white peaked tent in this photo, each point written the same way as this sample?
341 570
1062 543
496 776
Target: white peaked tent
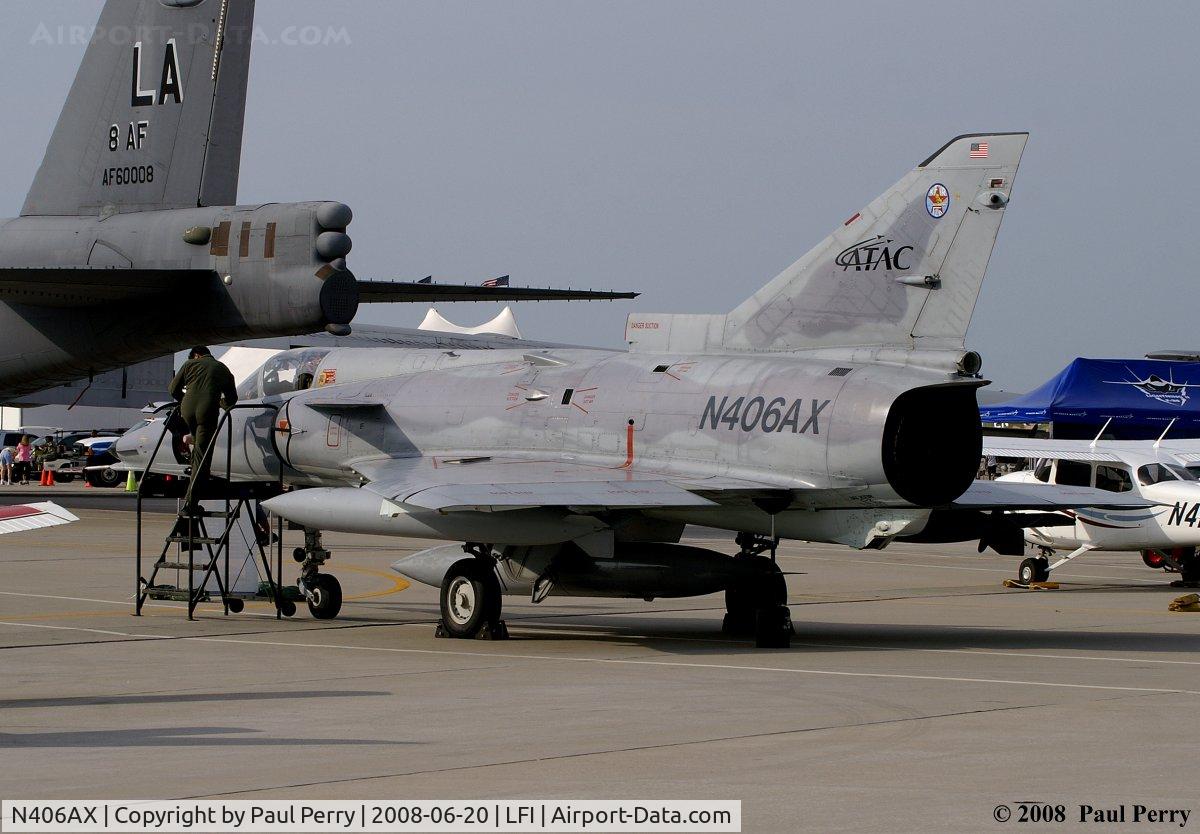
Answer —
505 324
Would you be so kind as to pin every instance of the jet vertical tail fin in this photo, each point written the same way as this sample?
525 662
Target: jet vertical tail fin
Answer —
902 273
154 118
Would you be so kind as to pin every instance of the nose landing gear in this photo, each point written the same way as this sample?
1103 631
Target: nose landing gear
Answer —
322 591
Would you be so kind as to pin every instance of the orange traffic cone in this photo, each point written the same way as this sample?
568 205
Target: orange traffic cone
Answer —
45 472
86 483
48 474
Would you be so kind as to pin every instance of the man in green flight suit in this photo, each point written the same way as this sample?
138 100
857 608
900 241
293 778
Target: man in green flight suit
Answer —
200 386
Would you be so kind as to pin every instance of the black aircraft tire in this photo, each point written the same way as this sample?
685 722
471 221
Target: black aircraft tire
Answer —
326 599
768 588
1043 569
739 623
1189 570
235 605
773 628
744 600
1033 570
469 599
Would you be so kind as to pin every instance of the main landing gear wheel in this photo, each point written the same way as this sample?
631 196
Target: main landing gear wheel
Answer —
326 596
470 600
1034 570
773 628
1154 559
740 612
758 607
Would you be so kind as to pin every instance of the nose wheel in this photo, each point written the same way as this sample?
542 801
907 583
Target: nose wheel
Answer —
322 591
324 596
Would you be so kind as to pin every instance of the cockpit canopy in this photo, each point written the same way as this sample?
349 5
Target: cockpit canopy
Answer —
291 370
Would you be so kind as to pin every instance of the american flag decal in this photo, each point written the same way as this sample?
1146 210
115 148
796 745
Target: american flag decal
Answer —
978 150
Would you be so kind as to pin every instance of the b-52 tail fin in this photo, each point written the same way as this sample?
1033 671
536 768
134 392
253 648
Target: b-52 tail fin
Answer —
902 273
154 118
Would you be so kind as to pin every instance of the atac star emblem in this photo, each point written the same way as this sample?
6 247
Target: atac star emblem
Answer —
937 200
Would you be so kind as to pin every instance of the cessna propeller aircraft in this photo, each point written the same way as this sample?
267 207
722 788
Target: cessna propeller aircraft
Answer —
1166 532
836 404
130 244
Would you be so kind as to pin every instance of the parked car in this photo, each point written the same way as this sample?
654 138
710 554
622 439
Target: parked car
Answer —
89 458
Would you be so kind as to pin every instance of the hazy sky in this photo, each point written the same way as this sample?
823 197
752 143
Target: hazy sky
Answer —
692 150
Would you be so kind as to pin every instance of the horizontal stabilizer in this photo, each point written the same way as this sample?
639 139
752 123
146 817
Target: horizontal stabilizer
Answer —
371 292
75 286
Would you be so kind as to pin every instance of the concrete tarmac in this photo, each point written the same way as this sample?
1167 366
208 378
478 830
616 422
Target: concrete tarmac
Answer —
918 695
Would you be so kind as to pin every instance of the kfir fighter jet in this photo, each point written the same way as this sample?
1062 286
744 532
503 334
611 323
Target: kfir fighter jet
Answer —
130 243
836 404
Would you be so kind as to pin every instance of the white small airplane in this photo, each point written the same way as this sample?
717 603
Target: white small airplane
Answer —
1167 534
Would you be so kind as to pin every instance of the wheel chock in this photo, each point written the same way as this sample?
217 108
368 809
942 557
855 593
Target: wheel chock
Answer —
1187 602
440 631
1032 586
493 631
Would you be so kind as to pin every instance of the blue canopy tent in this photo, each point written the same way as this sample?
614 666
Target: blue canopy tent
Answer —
1140 397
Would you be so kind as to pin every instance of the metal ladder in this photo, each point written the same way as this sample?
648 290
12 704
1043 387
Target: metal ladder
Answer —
191 531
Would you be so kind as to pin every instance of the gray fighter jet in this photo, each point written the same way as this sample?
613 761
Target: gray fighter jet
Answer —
836 404
130 244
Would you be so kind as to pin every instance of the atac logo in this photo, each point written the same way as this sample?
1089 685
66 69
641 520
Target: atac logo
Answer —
875 253
937 200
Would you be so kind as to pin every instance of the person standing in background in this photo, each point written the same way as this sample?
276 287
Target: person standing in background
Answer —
6 465
24 461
